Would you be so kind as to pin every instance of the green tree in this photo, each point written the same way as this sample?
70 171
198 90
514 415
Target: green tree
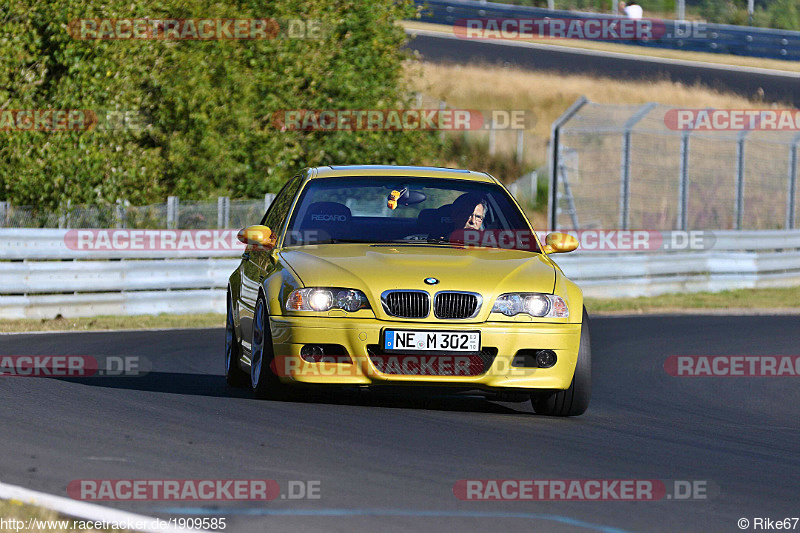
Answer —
208 103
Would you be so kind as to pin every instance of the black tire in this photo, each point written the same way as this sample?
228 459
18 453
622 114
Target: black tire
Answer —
234 375
263 380
574 400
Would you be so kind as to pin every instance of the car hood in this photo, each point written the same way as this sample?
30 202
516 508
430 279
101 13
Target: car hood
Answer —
379 267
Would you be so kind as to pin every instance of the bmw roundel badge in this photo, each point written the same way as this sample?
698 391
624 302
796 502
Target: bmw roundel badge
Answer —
431 281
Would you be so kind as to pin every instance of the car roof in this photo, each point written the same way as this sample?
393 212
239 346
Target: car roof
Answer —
395 170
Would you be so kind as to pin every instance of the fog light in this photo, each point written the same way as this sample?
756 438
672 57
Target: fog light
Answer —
313 353
545 358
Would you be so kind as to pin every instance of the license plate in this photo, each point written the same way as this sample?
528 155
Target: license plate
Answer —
443 341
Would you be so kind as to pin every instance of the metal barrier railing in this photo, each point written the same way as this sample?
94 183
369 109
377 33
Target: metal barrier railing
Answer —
86 283
677 35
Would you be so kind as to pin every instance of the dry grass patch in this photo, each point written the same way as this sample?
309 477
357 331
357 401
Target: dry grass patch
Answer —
548 95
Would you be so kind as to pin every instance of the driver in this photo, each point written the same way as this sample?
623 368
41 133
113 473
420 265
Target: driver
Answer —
469 211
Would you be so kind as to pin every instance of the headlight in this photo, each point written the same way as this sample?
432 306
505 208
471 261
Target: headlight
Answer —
325 299
532 303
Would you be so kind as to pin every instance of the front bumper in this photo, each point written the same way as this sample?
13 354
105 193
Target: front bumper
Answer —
360 336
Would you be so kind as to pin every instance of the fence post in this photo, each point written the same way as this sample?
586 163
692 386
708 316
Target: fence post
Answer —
3 214
553 158
119 214
173 212
683 184
223 212
563 177
625 178
790 202
520 145
268 198
63 217
739 207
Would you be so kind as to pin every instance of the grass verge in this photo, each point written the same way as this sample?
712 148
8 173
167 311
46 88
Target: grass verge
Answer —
741 301
99 323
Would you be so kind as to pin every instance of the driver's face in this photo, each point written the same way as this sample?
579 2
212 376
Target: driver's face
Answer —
475 220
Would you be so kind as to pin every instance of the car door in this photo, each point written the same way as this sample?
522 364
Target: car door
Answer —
256 264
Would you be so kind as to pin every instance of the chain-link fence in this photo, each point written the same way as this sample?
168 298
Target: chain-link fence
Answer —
629 166
175 214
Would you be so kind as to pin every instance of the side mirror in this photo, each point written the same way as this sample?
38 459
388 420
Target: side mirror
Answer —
259 236
559 243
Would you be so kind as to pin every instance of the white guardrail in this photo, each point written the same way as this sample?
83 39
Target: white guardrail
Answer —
41 277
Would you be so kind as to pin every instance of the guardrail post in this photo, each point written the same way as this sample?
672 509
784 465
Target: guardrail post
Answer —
739 207
553 158
3 214
268 198
683 184
625 177
520 145
223 212
173 212
790 202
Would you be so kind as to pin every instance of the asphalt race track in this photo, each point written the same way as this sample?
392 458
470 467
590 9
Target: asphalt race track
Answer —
387 462
777 86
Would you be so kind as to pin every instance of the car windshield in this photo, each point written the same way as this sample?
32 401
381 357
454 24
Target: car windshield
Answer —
410 210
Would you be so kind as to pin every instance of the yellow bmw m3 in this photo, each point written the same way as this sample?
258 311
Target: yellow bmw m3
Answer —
371 276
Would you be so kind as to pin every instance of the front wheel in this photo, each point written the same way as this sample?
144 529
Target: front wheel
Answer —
575 400
262 378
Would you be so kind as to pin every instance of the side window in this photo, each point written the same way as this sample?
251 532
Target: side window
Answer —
279 209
